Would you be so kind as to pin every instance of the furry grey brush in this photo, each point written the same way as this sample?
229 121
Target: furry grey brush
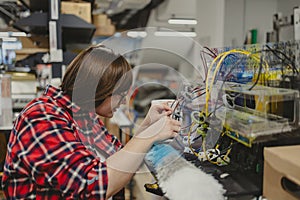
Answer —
178 178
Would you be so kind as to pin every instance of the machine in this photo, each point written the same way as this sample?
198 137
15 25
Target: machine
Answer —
249 101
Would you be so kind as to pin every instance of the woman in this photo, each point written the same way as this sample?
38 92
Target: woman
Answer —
60 149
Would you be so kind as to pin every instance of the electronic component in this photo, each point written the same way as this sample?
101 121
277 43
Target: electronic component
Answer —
153 188
273 104
250 100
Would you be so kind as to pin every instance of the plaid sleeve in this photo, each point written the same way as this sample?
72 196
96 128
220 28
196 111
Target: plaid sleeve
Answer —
48 147
105 140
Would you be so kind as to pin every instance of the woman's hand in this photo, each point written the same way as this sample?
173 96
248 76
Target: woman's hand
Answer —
162 129
122 165
156 112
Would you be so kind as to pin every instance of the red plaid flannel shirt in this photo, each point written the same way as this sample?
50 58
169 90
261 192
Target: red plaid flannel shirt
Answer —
52 151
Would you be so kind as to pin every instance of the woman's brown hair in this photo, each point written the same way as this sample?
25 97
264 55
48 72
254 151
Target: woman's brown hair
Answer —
95 74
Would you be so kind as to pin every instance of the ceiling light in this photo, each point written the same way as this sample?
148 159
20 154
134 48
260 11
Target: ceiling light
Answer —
175 34
18 34
9 39
13 34
136 34
182 21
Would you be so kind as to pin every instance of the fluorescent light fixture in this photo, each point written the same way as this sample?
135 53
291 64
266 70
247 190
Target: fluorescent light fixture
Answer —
13 34
9 39
175 34
182 21
136 34
18 34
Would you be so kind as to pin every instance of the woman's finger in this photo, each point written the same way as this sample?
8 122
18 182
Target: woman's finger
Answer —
163 106
177 129
174 134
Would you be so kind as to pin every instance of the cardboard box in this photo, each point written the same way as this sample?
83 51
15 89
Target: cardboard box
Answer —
105 30
282 167
82 10
25 52
35 41
103 24
100 20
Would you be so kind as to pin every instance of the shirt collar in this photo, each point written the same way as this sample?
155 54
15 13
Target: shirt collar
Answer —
61 98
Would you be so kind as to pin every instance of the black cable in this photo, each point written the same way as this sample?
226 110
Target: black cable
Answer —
275 51
258 75
227 148
198 96
197 90
213 53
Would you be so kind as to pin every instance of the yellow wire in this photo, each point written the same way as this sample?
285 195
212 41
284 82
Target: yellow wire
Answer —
189 140
203 141
204 150
228 151
220 58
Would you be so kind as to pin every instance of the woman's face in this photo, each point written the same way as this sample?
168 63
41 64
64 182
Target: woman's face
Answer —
110 105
